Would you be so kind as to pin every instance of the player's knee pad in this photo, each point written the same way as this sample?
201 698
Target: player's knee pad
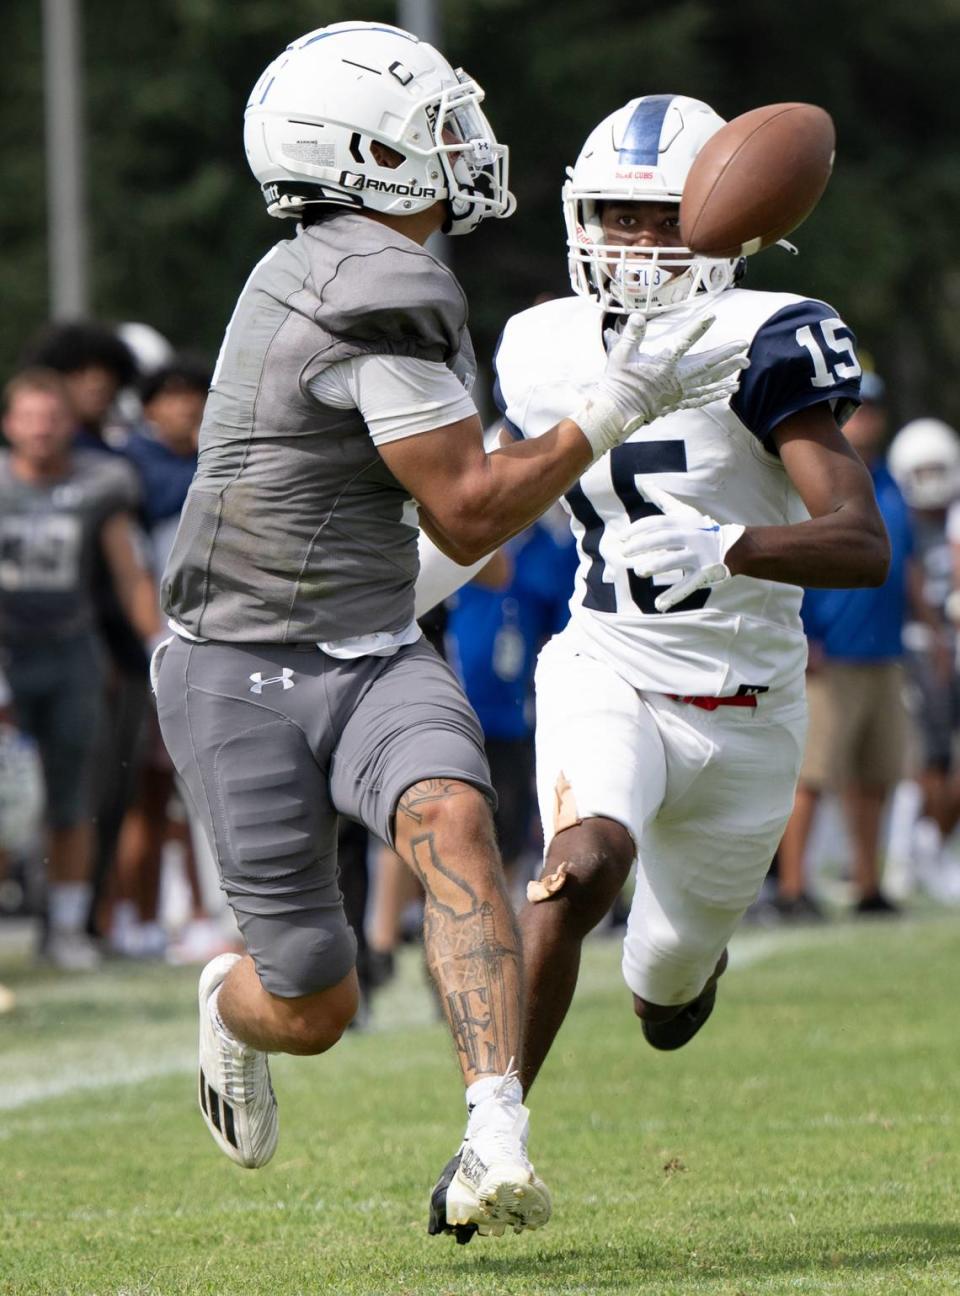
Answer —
299 953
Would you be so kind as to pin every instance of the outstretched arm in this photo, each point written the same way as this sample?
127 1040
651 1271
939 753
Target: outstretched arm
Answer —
470 502
845 542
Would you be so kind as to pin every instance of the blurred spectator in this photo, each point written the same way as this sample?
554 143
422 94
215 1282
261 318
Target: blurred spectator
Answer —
925 461
163 448
21 818
497 626
151 351
12 802
395 891
96 365
59 509
858 722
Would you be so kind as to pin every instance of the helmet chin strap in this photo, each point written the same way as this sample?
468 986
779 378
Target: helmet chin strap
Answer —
462 178
669 286
468 214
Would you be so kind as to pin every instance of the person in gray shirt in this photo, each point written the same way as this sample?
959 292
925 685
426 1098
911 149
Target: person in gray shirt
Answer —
297 686
61 508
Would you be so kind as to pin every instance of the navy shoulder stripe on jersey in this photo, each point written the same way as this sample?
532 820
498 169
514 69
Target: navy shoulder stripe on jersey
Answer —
498 397
802 355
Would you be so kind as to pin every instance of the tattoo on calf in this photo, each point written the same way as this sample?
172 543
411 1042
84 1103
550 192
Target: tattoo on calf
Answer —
475 966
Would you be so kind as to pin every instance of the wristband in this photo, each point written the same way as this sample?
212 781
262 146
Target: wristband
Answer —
601 422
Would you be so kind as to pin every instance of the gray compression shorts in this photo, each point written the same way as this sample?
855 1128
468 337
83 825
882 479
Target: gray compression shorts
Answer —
273 742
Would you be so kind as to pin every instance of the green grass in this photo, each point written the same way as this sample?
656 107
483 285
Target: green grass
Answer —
808 1141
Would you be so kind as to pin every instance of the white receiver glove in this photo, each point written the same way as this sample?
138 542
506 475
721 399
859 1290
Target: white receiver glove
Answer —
637 388
681 539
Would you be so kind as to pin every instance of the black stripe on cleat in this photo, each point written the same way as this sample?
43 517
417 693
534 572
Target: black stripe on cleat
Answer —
203 1092
438 1207
215 1107
229 1128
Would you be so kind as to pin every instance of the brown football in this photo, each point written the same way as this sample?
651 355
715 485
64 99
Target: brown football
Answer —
757 179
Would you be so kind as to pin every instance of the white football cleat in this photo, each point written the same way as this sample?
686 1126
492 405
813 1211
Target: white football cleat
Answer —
236 1096
490 1184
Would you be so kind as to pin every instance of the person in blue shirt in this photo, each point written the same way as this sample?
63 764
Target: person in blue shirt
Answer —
494 633
163 449
857 733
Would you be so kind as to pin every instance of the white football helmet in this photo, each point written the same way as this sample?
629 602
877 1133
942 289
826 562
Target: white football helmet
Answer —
641 153
924 458
365 115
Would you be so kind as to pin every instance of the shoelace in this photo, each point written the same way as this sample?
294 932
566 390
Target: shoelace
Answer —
511 1073
239 1065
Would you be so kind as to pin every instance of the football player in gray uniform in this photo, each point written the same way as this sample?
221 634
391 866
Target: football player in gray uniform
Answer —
63 510
297 687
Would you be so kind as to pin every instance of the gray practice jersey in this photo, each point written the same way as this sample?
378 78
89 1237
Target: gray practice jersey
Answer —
49 534
294 529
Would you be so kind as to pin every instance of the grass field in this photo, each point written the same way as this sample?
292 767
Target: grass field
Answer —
808 1141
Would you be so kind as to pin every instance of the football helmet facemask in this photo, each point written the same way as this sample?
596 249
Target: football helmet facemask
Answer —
318 111
640 153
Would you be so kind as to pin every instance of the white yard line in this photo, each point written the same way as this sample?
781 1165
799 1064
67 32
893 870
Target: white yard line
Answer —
110 1060
125 1069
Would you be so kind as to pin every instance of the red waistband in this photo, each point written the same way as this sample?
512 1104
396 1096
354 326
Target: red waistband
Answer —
711 703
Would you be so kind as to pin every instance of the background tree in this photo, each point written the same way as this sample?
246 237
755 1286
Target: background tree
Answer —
176 221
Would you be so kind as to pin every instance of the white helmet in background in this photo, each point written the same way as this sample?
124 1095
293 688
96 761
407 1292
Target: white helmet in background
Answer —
150 348
924 458
641 153
364 115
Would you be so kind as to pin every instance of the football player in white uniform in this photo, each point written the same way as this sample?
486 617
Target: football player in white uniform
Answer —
670 711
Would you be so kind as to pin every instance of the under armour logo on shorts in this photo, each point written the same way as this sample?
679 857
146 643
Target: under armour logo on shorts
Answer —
285 678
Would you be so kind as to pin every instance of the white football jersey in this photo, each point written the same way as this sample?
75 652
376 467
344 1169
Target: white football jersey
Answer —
744 635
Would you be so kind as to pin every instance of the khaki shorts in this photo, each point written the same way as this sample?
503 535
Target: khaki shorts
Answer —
858 728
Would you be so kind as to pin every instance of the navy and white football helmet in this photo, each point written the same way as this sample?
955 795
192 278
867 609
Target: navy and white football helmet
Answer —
643 152
365 115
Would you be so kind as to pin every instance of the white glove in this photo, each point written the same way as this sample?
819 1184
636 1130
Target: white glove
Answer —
681 539
637 388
